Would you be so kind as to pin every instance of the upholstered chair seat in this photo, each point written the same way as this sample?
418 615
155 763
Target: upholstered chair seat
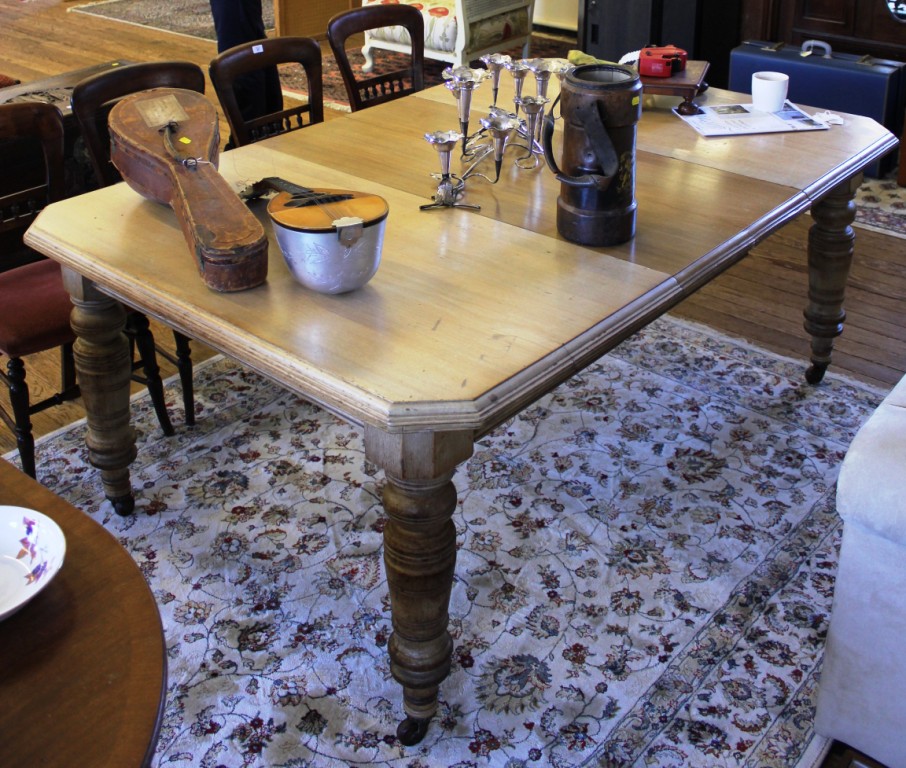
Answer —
23 330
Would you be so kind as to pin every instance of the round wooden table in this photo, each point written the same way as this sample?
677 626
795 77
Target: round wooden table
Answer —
82 665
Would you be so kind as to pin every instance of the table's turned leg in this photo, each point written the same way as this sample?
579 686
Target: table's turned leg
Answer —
830 255
419 558
103 363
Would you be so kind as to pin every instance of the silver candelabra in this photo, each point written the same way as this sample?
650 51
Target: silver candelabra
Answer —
498 129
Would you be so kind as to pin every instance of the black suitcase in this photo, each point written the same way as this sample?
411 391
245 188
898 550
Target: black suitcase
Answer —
840 82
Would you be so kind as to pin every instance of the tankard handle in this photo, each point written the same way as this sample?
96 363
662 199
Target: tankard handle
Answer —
602 146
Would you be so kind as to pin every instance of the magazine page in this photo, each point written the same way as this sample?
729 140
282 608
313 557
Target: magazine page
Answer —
730 119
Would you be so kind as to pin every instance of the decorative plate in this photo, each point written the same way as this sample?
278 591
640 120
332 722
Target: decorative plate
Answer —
31 552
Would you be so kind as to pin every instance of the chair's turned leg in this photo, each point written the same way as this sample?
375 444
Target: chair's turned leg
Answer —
144 342
184 365
67 371
18 397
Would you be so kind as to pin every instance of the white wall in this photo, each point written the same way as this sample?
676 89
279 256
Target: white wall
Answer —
562 14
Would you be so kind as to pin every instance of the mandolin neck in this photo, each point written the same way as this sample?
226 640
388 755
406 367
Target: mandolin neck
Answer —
282 185
299 197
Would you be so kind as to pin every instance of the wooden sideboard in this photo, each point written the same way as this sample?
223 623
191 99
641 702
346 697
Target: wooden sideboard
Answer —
307 18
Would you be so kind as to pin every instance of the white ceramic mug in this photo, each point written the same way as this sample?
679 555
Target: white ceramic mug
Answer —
769 91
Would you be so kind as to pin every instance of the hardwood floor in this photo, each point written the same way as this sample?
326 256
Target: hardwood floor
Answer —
760 299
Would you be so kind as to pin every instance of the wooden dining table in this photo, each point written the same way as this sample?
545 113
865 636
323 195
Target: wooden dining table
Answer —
472 315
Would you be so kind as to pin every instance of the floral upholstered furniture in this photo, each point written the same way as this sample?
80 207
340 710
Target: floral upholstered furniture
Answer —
459 31
860 694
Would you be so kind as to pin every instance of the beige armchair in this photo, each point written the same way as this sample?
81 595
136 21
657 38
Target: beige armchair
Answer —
860 694
460 31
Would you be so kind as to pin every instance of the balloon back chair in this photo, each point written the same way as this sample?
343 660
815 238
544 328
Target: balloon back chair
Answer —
368 91
92 100
34 305
241 60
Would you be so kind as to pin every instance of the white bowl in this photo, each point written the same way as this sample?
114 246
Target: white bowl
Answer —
32 547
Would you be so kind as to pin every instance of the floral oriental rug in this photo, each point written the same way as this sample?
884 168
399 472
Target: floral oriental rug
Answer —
645 569
881 206
184 17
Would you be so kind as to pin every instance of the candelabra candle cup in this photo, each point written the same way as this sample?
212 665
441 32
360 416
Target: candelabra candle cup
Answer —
503 113
500 128
443 142
450 187
465 89
542 69
464 103
562 68
533 106
462 81
453 87
518 122
542 78
495 62
457 74
519 70
465 75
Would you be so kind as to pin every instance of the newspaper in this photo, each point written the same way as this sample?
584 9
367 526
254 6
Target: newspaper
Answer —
730 119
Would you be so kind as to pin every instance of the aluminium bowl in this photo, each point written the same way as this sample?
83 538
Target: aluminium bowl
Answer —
328 254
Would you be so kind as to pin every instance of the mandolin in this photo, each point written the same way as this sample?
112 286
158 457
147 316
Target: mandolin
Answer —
331 239
316 210
165 143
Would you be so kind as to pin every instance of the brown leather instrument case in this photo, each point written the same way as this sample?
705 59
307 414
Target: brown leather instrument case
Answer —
165 143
